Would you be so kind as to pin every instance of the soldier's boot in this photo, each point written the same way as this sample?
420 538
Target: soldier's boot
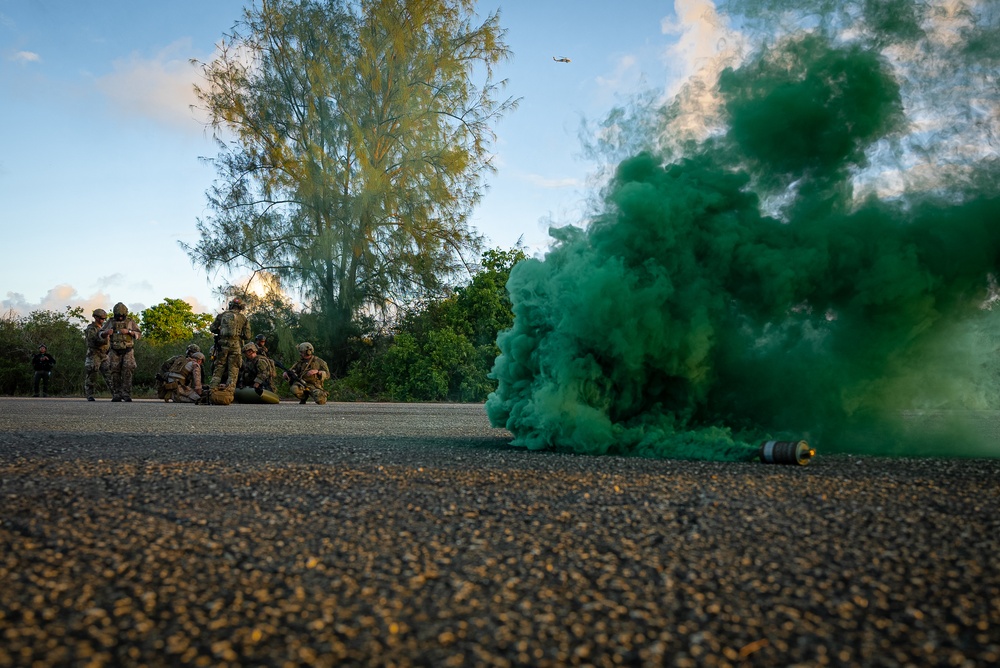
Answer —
91 399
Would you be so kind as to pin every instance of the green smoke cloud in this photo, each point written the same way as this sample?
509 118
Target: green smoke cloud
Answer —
743 290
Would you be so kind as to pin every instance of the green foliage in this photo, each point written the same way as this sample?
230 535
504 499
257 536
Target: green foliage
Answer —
443 350
362 139
63 338
173 320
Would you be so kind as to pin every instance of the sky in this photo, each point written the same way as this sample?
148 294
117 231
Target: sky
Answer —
100 150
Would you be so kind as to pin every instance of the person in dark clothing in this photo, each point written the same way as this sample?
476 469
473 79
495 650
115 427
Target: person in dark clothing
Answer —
42 363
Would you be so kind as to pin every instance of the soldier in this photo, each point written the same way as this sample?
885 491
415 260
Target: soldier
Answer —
42 363
161 378
261 342
121 332
308 375
231 329
183 380
97 354
257 371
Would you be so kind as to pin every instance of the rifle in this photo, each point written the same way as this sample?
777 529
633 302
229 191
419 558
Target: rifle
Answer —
292 376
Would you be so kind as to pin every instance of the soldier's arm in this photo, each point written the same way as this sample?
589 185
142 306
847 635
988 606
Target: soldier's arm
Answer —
264 372
196 377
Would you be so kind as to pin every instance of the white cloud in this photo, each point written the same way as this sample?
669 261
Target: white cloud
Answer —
625 75
704 39
64 295
56 299
160 88
26 57
705 45
111 279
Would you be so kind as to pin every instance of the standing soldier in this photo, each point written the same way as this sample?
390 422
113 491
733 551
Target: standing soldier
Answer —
232 330
121 332
97 354
308 375
183 381
257 371
42 363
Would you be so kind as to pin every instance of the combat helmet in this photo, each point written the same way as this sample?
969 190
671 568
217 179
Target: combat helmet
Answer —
100 313
193 348
250 348
120 310
306 348
197 356
260 338
236 304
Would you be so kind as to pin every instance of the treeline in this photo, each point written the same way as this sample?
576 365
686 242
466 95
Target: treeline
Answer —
440 350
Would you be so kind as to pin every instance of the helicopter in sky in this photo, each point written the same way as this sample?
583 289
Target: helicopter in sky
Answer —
561 59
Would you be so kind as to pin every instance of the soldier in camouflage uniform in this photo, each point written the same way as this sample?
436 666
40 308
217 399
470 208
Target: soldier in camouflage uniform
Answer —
183 380
97 354
232 330
121 332
257 371
310 373
161 378
261 342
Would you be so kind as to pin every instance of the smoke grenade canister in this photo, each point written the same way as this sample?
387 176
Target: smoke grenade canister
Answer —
786 452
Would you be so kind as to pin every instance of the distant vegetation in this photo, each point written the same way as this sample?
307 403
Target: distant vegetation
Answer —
436 350
358 140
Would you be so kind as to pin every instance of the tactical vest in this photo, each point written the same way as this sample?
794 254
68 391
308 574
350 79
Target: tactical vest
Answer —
120 338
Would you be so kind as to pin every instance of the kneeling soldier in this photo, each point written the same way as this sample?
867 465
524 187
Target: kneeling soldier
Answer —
183 381
257 371
161 377
308 375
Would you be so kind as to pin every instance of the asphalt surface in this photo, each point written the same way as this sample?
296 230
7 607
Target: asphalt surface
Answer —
375 534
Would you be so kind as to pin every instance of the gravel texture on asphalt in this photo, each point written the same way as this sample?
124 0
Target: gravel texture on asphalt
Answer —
376 534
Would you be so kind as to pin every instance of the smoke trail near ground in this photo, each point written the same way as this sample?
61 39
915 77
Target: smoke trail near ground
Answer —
765 282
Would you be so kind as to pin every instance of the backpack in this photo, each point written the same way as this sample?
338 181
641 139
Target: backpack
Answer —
178 365
175 374
228 326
